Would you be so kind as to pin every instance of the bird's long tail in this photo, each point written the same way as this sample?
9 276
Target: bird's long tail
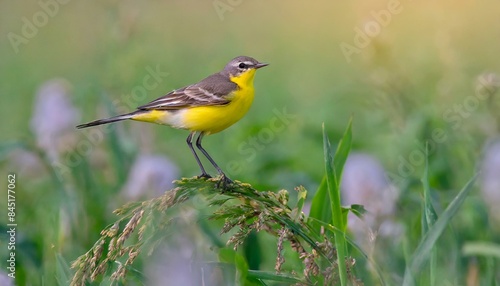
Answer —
107 120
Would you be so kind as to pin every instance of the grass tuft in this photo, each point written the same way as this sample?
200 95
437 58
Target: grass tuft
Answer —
142 225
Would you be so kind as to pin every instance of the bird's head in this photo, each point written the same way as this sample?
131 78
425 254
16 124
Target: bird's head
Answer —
243 67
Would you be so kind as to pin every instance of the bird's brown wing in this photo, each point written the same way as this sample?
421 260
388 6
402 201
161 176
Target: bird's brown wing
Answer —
213 90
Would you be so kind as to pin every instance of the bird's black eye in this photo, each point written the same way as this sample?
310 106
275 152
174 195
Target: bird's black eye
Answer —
242 65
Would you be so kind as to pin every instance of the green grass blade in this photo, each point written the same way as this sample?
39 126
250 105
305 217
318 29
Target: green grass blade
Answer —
408 279
320 205
63 272
424 248
334 171
231 257
334 166
481 248
270 276
341 153
429 217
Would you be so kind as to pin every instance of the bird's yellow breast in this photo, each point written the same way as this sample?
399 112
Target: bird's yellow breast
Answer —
213 119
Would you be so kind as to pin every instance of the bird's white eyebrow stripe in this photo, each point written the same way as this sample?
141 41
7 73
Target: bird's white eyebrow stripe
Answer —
248 63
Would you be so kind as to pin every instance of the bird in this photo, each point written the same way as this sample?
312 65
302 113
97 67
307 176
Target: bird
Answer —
204 108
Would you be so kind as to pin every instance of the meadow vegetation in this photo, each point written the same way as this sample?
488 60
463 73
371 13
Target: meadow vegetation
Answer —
412 85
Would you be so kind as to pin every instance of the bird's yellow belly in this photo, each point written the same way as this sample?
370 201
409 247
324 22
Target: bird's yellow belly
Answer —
213 119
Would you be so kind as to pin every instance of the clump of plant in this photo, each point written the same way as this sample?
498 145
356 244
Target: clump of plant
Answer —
318 240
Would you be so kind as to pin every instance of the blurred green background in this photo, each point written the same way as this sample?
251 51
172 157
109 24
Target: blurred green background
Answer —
422 67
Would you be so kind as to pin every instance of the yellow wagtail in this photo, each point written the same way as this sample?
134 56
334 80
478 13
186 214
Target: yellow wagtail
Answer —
204 108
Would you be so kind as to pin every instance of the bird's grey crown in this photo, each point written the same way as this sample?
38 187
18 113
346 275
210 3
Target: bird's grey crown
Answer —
233 66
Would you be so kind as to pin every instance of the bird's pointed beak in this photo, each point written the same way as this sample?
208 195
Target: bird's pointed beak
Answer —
260 65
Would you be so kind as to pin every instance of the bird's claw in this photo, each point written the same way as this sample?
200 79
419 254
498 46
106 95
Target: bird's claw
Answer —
224 182
204 176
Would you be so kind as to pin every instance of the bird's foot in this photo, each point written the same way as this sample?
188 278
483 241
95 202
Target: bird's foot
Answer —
224 183
204 176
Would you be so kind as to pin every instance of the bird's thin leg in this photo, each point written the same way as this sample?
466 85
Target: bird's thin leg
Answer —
225 180
189 141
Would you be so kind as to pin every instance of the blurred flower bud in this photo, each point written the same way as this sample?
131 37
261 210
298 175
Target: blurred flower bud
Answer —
490 179
5 280
27 163
173 264
150 176
54 118
364 182
182 260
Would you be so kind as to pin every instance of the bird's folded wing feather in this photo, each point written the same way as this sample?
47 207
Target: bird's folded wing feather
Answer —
210 91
